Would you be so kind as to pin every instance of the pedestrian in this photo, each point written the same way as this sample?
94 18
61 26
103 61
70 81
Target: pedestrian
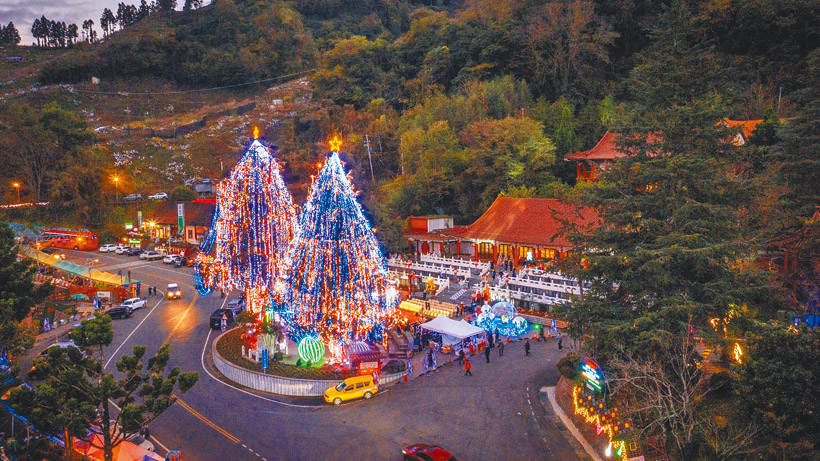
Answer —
467 367
410 369
493 274
560 342
527 347
501 349
461 357
496 335
147 433
487 354
430 360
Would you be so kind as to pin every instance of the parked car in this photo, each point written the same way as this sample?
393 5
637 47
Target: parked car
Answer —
132 197
424 452
170 259
119 312
181 261
107 248
133 251
49 250
352 388
141 442
150 255
173 291
134 303
158 196
236 306
216 318
121 249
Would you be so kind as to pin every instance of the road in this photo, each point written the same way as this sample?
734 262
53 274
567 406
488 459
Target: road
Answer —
495 415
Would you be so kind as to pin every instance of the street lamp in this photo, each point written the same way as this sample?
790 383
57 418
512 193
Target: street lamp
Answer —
16 185
116 188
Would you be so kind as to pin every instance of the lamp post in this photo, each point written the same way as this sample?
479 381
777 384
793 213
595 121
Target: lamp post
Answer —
116 188
16 185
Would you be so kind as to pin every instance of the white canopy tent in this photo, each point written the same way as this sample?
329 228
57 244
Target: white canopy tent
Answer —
452 331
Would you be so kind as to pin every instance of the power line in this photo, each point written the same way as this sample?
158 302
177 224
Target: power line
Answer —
200 90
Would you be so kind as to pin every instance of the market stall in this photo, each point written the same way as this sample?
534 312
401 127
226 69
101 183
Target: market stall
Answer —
455 334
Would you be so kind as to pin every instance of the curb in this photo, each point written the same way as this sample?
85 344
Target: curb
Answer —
550 391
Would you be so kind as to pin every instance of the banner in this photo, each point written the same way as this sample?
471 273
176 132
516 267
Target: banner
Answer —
180 218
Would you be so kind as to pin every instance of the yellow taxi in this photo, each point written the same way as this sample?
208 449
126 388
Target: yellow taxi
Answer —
352 388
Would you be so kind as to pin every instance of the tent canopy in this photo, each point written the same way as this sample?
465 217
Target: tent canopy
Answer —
447 326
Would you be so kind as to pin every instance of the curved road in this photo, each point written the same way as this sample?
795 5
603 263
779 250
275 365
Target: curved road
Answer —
494 415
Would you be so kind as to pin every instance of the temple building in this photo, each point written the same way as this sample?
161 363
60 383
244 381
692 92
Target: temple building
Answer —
522 229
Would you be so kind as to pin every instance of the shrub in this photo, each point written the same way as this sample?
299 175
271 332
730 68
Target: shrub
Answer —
568 365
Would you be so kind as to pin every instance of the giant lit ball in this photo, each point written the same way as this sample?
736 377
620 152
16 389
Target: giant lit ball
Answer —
310 349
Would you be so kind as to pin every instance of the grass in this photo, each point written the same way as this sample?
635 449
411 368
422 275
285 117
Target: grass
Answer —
230 348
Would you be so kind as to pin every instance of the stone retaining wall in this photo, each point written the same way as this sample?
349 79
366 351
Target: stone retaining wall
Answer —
280 384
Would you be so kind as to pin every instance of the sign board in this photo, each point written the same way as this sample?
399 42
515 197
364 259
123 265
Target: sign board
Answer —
180 218
129 226
139 219
368 367
593 374
529 256
264 359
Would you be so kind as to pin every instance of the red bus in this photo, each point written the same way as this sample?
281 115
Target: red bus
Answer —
71 239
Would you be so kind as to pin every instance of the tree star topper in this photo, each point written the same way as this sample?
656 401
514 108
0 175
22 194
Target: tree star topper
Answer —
335 143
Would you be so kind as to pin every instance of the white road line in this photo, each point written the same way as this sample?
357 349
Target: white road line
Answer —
133 331
202 361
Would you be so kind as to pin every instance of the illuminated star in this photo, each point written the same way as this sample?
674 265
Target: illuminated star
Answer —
335 143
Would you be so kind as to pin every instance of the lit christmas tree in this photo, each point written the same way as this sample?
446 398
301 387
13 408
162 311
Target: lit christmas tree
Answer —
338 288
252 226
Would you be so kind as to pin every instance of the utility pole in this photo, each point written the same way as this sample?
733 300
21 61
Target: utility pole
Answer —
370 157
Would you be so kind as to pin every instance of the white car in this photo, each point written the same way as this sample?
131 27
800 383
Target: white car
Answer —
120 249
134 303
170 259
158 196
108 247
150 255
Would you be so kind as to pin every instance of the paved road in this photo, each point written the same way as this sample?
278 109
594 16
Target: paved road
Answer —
495 415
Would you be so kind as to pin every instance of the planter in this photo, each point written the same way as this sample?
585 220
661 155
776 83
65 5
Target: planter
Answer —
279 384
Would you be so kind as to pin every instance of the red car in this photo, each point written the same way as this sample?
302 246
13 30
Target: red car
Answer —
424 452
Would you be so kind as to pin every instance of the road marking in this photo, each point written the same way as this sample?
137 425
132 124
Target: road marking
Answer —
208 421
181 318
202 362
132 332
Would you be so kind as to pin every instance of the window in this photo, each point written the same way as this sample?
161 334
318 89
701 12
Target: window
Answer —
349 388
190 233
359 385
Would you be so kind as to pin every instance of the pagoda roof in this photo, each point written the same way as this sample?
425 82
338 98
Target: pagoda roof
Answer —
530 221
747 127
606 149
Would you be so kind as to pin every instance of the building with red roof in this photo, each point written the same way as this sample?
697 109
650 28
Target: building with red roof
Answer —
520 228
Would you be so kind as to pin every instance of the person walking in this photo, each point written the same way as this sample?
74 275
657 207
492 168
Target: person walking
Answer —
467 367
560 342
460 358
527 347
487 354
501 349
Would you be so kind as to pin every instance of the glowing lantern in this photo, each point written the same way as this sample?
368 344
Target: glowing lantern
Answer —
310 349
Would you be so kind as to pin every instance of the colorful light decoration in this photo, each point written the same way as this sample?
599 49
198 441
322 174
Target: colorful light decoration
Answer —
503 317
337 287
611 429
310 350
251 228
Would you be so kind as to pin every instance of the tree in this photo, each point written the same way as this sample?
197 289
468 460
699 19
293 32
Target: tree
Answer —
9 35
254 221
182 194
18 294
338 288
776 381
71 34
107 22
568 46
77 387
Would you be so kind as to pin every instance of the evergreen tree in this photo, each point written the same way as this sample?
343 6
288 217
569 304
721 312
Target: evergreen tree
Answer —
338 286
9 35
253 224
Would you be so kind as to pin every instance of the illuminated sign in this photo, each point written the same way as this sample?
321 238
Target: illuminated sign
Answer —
593 374
129 226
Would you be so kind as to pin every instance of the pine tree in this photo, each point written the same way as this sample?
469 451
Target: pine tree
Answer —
338 286
251 229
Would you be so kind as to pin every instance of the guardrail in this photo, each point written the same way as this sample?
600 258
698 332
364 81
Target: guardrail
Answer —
280 384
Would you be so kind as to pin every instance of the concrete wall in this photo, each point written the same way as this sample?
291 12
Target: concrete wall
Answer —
279 384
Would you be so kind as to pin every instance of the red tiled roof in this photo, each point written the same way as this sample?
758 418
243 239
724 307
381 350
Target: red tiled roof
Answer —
196 214
747 127
439 235
530 221
606 149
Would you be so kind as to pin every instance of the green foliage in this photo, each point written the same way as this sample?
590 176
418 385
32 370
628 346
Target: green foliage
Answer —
182 194
775 385
77 387
568 365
